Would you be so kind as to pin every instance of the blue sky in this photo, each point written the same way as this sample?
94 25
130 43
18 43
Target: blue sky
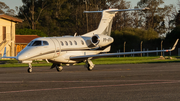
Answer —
13 3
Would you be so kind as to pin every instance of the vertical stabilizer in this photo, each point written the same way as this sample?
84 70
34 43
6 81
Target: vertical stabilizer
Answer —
105 24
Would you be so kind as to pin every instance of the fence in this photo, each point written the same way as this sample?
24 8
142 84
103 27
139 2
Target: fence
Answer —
176 52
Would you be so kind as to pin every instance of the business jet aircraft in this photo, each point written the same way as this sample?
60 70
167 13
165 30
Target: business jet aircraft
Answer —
75 49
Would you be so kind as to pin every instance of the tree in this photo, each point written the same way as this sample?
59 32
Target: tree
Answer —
5 9
122 19
155 17
32 10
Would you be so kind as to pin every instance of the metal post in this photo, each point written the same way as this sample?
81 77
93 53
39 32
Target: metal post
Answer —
118 52
133 51
124 48
156 52
143 50
117 55
141 47
170 51
163 52
161 47
147 53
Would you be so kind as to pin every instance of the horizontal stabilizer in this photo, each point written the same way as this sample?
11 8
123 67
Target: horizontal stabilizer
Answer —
117 10
121 10
93 11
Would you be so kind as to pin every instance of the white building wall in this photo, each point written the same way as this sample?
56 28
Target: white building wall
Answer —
10 36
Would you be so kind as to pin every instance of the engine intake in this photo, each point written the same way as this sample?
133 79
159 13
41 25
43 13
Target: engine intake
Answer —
95 40
100 40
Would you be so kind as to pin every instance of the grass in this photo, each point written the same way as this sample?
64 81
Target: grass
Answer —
134 60
109 60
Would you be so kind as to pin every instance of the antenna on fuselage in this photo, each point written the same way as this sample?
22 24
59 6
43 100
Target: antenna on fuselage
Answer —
75 34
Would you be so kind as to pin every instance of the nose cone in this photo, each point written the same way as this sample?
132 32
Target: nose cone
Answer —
24 54
21 57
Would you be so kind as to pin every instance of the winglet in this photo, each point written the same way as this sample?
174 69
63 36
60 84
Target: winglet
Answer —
4 55
146 8
174 45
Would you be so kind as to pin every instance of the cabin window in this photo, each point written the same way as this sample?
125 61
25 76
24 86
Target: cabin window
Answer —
62 43
66 43
37 43
45 43
75 42
70 42
82 42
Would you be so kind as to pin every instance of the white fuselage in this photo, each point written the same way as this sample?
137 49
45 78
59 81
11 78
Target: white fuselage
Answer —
60 49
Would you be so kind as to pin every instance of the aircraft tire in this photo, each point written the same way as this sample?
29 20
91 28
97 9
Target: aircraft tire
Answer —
29 70
59 68
89 67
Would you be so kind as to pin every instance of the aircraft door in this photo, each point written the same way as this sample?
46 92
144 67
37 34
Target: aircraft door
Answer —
57 47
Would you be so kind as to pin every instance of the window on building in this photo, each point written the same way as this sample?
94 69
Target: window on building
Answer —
4 32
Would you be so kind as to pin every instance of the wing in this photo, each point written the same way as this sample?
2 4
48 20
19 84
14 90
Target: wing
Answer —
83 57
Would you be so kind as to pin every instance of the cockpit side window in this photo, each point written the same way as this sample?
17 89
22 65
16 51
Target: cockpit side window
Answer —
30 43
45 43
37 43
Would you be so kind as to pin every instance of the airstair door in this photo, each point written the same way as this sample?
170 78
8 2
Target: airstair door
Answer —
57 47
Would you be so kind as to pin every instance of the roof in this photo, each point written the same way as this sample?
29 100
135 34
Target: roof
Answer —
7 17
25 39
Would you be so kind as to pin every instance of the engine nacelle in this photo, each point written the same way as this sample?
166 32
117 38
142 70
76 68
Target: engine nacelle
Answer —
100 40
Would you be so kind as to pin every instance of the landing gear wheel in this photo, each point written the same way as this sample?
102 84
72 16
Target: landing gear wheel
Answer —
89 65
29 70
59 68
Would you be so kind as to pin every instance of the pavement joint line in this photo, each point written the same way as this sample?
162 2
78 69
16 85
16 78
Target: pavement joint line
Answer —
4 82
83 87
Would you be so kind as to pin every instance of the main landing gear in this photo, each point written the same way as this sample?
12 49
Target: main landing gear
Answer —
89 65
59 67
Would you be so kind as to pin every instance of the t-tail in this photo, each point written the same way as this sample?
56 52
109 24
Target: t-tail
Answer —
105 24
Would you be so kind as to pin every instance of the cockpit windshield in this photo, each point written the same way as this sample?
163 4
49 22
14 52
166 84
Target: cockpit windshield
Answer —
38 43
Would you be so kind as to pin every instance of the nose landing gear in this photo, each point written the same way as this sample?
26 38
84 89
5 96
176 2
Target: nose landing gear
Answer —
30 68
